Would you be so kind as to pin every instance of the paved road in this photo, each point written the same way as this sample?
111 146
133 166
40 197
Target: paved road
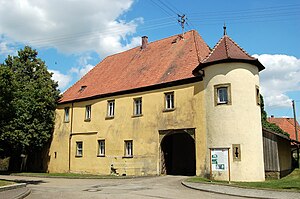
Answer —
167 187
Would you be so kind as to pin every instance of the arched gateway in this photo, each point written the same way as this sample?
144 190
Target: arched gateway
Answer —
178 153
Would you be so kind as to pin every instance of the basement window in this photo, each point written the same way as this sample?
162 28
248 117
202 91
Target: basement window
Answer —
79 149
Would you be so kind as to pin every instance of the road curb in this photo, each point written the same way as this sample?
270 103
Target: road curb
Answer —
22 195
220 192
13 186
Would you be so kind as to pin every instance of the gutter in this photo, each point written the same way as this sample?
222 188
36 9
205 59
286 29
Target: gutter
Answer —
70 136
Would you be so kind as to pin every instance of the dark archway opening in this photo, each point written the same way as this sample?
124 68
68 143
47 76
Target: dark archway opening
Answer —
178 154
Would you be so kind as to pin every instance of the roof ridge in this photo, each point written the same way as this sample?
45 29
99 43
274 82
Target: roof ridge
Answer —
214 48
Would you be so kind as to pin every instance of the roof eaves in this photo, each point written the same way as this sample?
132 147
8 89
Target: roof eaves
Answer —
206 64
140 89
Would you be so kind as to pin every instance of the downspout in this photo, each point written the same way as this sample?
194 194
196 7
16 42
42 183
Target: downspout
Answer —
70 137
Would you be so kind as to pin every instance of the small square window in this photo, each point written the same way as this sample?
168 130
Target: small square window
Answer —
137 106
169 101
67 113
111 108
101 147
88 112
79 149
222 94
128 148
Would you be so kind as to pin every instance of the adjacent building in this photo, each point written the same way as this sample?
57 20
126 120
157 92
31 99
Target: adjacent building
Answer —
172 106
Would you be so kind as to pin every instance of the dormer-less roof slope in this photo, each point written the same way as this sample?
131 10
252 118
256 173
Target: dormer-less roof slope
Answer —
226 50
287 125
162 61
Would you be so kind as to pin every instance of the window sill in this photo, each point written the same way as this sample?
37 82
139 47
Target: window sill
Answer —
101 156
109 117
66 121
169 110
87 120
139 115
127 156
78 156
224 103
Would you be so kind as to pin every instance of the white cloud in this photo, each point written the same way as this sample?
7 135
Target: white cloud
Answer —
71 26
280 76
7 48
62 79
81 71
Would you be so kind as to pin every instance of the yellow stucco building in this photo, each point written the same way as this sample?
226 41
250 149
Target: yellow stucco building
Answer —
172 106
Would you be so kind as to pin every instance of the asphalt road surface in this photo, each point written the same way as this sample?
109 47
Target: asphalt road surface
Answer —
167 187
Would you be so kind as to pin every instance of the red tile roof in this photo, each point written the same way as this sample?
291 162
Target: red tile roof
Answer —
287 125
226 50
162 61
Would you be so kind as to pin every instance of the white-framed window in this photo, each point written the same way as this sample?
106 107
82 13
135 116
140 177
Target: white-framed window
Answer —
137 106
128 148
79 148
67 114
222 94
101 147
111 108
88 112
169 101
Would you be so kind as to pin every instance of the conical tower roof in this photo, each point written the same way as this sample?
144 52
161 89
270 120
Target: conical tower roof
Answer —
226 50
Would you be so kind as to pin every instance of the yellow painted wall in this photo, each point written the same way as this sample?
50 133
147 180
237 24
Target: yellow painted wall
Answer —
144 131
238 123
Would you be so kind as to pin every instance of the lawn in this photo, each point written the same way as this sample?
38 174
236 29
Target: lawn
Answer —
3 183
290 182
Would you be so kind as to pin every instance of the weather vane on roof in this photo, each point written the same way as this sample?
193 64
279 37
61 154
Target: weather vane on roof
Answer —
224 27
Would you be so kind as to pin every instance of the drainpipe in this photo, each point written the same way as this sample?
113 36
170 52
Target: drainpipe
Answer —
70 137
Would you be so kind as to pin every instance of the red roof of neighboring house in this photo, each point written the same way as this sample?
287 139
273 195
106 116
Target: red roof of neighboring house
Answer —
162 61
226 50
287 125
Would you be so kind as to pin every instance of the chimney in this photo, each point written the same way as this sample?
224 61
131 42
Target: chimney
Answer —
144 42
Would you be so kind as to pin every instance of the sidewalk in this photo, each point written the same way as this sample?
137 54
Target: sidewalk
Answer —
243 192
15 191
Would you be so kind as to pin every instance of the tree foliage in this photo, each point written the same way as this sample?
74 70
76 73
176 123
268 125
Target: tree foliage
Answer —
267 125
28 98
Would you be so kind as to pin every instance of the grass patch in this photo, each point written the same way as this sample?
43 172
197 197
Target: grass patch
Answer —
4 183
71 175
290 182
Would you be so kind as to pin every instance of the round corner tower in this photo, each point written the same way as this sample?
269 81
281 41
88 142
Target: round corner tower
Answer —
233 117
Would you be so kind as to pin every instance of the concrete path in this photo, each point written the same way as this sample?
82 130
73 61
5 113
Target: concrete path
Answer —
168 187
236 191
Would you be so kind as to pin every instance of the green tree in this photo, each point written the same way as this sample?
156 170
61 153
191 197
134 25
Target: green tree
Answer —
267 125
28 105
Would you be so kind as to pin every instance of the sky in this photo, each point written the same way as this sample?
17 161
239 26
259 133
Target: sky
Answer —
72 36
